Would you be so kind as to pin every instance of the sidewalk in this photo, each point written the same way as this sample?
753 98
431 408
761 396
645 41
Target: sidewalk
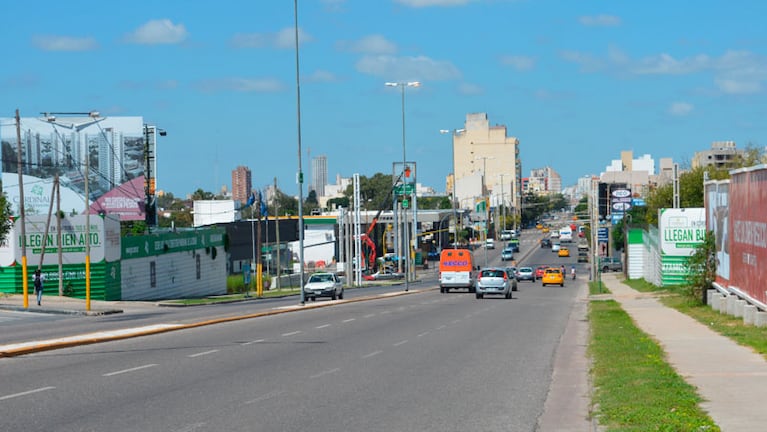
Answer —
731 379
55 304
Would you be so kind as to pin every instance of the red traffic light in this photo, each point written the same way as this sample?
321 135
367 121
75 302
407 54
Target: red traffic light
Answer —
407 172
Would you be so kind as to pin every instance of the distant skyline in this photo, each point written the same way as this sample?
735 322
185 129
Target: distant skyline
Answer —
575 82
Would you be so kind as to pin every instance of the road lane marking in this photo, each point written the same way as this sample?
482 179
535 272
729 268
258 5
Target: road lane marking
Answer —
369 315
374 353
348 320
202 353
292 333
423 334
270 395
129 370
322 326
385 312
455 321
323 373
441 327
400 343
29 392
254 342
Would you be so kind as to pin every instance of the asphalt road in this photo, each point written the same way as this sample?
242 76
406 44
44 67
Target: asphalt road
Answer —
427 362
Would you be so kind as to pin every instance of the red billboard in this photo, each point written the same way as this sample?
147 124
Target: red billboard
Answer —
748 228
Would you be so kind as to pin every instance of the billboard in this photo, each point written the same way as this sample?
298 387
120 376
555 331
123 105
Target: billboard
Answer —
747 225
104 235
717 220
681 231
117 150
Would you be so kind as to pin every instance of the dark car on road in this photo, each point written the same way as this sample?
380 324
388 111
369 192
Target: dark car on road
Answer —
546 243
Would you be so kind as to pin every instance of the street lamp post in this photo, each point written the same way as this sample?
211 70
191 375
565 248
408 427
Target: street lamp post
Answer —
150 206
300 168
94 118
484 189
455 180
402 86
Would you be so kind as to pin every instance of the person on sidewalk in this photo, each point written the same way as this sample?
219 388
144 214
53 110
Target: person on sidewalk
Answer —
39 279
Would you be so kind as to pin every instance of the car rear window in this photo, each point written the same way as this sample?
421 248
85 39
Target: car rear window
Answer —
525 269
492 273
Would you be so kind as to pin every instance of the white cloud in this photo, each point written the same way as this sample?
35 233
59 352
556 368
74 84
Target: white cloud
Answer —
321 76
469 89
734 72
158 32
520 63
283 39
64 43
600 21
245 85
407 68
680 109
429 3
372 44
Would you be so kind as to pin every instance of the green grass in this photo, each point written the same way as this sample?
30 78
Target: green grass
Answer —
635 389
597 287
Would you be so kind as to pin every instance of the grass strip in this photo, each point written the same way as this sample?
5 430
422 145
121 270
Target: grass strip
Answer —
635 389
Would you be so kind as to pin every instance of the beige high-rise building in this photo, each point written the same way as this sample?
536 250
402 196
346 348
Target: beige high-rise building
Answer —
485 159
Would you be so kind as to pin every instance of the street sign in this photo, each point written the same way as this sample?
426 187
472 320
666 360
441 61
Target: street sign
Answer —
404 189
603 234
405 203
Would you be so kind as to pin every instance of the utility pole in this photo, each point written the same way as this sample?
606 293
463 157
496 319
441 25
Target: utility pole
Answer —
24 275
259 274
277 231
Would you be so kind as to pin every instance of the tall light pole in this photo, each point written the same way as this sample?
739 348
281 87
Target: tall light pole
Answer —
300 169
503 205
402 85
484 189
95 118
150 206
455 180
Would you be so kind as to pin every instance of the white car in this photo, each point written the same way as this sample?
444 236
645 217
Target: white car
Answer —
555 247
490 244
324 285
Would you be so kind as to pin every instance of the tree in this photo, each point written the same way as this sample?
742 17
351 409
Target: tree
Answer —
284 203
690 191
6 214
200 194
434 203
310 203
702 265
375 192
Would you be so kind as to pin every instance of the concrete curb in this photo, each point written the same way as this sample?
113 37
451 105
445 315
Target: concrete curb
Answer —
18 349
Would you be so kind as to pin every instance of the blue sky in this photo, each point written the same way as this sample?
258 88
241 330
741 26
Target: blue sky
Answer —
575 81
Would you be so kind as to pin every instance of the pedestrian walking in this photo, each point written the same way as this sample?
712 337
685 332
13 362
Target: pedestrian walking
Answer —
39 279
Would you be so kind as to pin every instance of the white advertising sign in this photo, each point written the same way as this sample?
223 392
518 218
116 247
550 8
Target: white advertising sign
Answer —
681 230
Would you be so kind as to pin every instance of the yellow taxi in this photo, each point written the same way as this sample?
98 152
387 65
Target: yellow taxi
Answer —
539 227
553 276
564 252
545 229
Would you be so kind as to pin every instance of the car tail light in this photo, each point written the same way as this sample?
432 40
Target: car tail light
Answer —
479 276
505 276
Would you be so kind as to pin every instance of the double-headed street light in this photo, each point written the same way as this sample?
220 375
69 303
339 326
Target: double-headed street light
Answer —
402 86
455 180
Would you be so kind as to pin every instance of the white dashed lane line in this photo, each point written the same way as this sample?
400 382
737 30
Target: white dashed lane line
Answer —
374 353
254 342
399 343
327 372
200 354
264 397
423 334
291 333
369 315
348 320
29 392
322 326
129 370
